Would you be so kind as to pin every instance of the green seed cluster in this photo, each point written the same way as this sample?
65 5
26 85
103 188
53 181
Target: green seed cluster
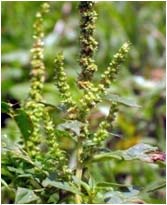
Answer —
32 106
93 94
87 42
90 98
56 158
112 114
106 126
61 80
38 67
111 73
35 111
101 133
51 157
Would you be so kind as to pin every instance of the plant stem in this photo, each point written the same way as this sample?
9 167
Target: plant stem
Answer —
78 198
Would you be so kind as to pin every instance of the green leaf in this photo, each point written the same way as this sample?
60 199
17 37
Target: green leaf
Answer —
24 123
3 182
82 183
106 156
61 185
54 198
116 98
19 153
16 170
154 186
5 107
117 197
25 196
73 125
139 151
109 184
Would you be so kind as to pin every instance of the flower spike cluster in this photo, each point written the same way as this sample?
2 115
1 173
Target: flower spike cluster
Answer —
111 73
94 94
54 157
87 42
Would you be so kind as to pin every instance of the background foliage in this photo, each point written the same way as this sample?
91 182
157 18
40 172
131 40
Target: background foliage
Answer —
142 80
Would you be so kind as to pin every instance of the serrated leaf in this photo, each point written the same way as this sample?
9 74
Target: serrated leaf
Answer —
60 185
24 123
25 196
116 98
5 107
73 125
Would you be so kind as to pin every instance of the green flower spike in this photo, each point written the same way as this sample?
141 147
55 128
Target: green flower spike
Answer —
93 94
111 73
32 106
61 80
105 126
87 42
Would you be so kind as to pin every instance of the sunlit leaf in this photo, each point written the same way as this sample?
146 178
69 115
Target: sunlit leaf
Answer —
140 151
53 199
155 186
60 185
109 184
116 98
3 182
5 107
117 197
82 183
106 156
72 125
25 196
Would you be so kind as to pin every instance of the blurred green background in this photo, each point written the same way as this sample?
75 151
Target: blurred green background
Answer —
141 79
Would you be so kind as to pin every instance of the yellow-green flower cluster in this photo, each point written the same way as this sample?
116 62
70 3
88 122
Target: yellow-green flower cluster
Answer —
32 106
113 68
38 67
56 158
105 126
35 112
87 42
101 133
93 94
90 98
52 157
61 80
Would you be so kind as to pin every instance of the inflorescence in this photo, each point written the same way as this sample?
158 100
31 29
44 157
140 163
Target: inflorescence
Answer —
92 94
53 156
